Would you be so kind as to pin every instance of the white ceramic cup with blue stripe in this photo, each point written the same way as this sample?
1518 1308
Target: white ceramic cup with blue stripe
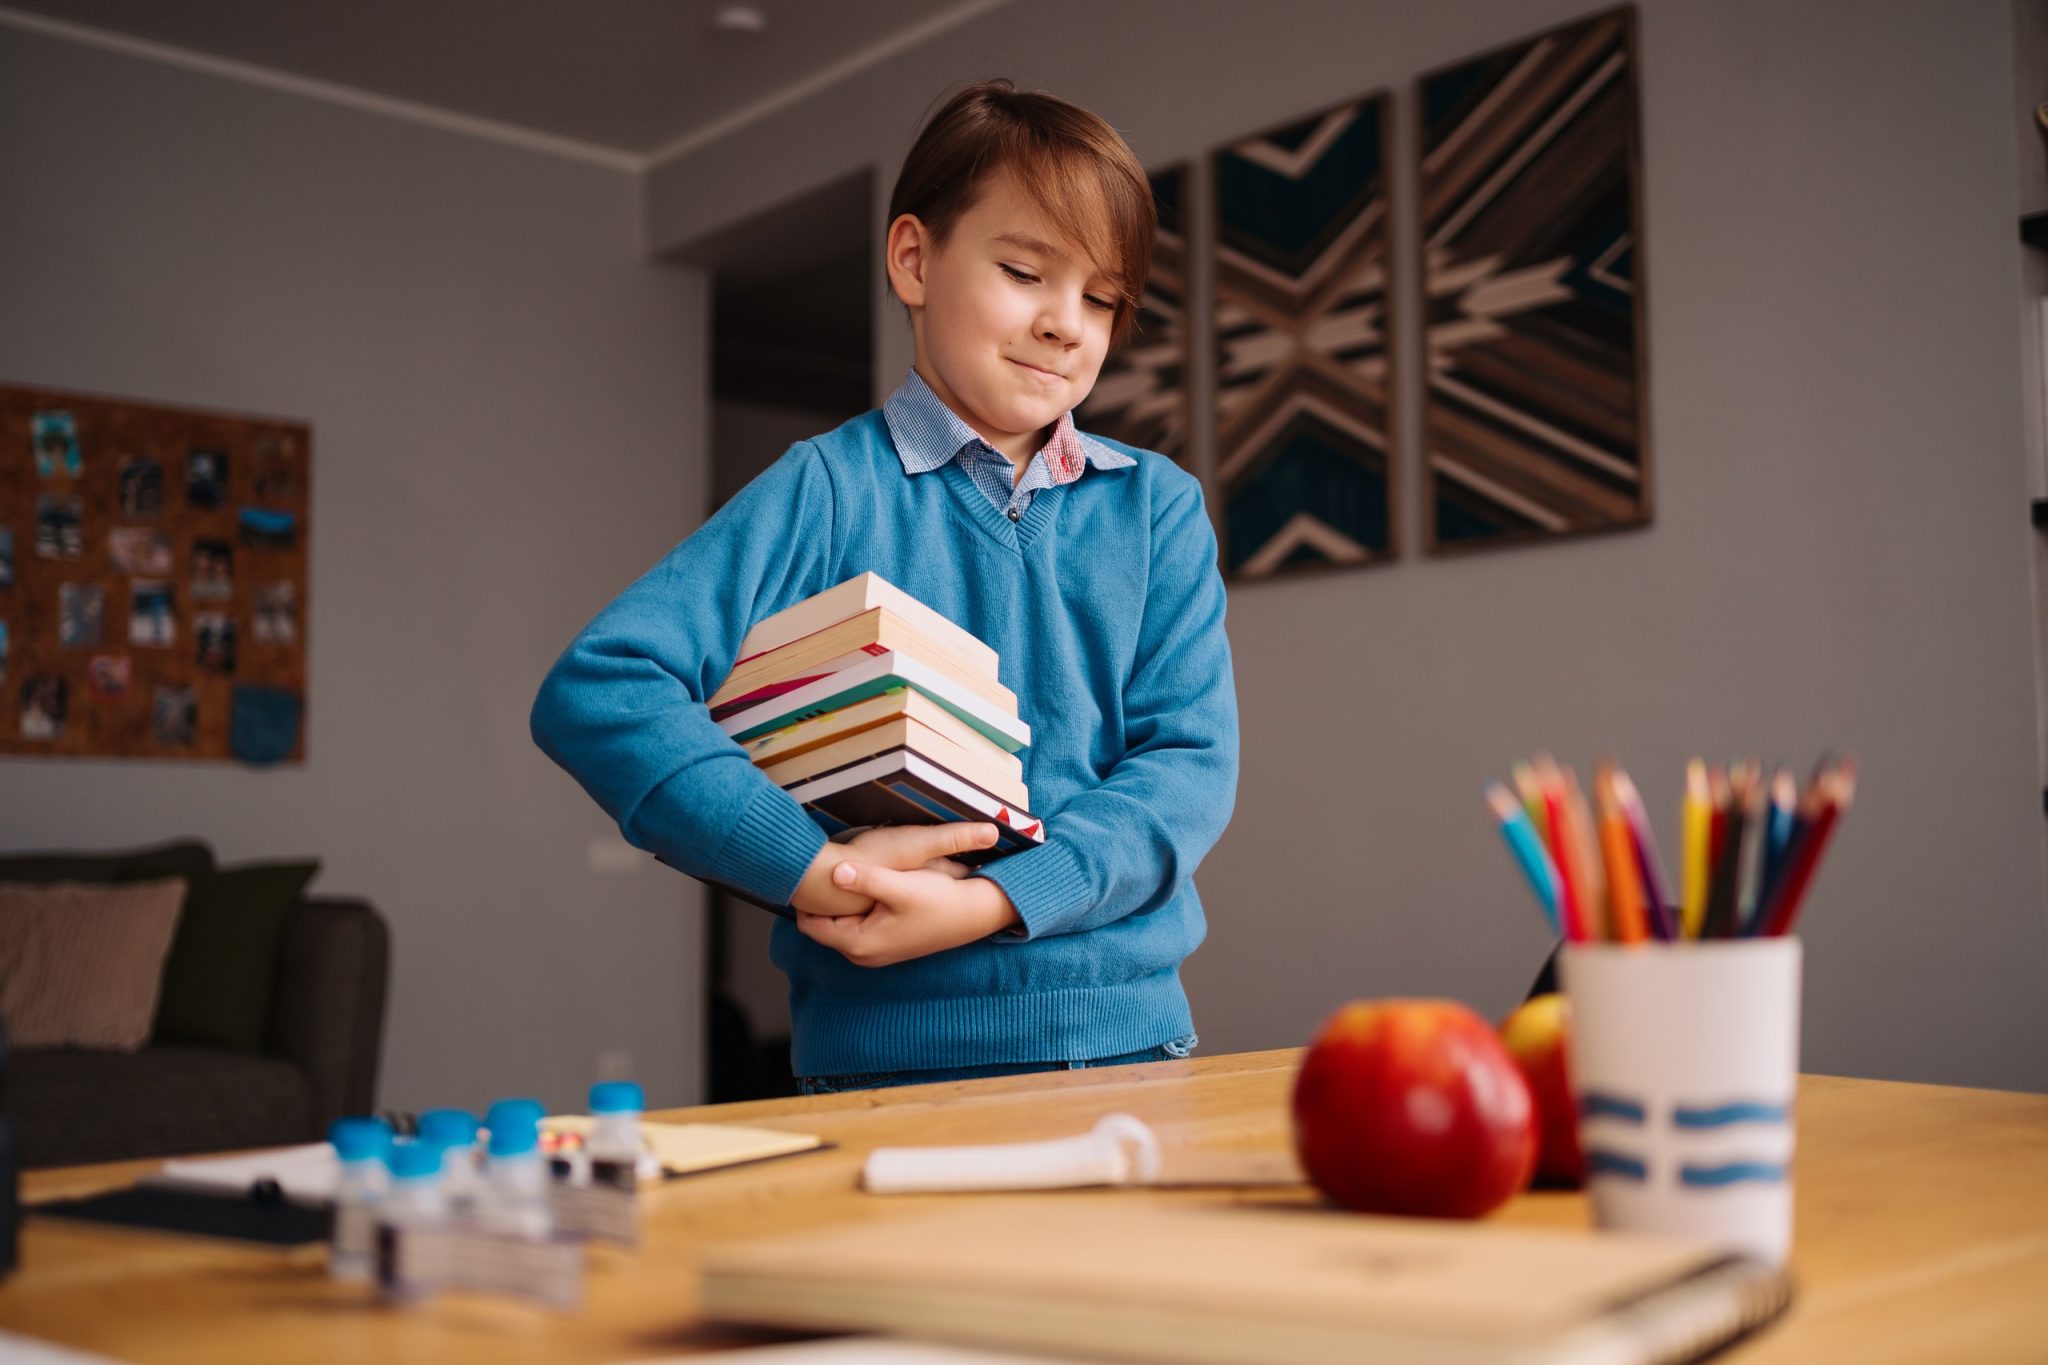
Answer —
1685 1066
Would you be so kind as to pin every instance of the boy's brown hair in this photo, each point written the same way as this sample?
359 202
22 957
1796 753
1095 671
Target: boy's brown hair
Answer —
1077 167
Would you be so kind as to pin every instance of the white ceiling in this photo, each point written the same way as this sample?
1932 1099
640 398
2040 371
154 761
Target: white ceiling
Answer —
639 77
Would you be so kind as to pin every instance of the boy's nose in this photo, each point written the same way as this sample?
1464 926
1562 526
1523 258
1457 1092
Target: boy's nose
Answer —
1059 324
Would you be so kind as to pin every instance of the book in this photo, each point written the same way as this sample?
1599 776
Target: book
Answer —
882 673
993 770
1108 1279
863 592
893 704
900 788
838 646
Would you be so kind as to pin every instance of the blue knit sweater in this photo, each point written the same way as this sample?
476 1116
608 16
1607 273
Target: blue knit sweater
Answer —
1105 606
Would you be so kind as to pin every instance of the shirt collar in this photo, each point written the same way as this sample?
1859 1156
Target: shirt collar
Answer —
929 434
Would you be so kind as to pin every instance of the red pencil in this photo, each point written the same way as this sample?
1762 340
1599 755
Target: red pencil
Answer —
1567 879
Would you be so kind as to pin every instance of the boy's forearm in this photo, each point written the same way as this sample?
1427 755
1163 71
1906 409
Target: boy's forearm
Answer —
816 895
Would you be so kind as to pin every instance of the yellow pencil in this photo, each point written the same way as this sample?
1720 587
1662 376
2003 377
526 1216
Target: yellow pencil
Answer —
1697 819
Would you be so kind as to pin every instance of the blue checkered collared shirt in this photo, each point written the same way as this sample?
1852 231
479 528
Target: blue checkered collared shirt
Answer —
928 435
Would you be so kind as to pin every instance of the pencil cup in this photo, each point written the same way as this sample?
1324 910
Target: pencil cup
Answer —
1685 1062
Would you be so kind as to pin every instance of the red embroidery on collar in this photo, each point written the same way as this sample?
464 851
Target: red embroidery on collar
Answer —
1064 458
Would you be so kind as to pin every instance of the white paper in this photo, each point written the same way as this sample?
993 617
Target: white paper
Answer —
307 1174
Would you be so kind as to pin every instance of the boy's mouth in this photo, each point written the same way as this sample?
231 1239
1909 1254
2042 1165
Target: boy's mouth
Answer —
1033 369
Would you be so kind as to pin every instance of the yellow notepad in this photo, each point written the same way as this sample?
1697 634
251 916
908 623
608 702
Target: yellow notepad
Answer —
682 1148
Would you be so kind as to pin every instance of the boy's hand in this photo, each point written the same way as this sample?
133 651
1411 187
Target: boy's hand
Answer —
915 913
895 847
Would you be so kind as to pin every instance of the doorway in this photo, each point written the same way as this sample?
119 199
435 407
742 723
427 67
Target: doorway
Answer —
792 355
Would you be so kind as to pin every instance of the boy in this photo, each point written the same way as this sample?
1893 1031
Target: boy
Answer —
1020 233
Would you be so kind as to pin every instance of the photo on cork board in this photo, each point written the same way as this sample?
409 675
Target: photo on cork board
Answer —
140 550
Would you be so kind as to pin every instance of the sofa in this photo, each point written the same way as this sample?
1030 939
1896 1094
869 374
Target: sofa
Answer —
318 1061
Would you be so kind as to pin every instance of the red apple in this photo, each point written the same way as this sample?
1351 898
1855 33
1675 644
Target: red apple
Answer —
1538 1037
1413 1107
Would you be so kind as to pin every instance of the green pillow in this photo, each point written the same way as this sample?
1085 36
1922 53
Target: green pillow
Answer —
224 956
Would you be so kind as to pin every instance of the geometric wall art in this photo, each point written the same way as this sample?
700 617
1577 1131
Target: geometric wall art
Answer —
1141 396
1303 431
1534 422
152 580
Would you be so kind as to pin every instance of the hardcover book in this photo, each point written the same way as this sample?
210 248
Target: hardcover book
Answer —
838 646
901 788
882 673
864 592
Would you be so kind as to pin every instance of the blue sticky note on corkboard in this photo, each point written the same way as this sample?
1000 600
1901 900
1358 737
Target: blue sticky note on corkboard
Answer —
263 728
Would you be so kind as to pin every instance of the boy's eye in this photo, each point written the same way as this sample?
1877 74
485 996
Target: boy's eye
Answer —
1105 304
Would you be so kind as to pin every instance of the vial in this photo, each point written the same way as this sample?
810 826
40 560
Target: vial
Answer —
515 1194
614 1143
415 1199
360 1146
454 1132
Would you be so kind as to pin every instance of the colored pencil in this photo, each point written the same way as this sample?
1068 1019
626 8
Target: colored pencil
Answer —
1750 848
1832 794
1617 846
1531 793
1568 901
1726 889
1779 814
1662 913
1529 852
1583 841
1694 830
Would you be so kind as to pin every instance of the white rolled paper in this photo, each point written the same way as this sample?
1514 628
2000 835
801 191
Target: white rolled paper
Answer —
1119 1150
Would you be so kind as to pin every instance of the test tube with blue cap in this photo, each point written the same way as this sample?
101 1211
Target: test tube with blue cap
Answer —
360 1147
614 1144
515 1194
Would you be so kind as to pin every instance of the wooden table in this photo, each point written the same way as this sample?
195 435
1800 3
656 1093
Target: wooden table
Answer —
1922 1229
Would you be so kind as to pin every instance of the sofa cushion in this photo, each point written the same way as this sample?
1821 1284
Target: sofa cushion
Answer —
82 965
71 1106
223 963
182 858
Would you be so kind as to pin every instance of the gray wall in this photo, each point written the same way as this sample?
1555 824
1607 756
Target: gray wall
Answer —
507 405
1840 558
509 422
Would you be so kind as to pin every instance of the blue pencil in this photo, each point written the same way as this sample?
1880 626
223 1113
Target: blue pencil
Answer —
1528 849
1781 824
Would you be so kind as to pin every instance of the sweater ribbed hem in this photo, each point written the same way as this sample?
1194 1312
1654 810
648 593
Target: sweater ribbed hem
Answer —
837 1036
1047 884
771 847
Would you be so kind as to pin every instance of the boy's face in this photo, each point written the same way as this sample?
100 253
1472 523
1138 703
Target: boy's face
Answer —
1011 323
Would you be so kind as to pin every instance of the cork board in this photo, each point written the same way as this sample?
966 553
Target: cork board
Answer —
153 593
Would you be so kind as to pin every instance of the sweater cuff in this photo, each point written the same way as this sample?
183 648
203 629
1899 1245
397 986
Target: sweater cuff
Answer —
1047 884
771 847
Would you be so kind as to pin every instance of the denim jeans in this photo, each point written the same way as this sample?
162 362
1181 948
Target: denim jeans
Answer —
1167 1051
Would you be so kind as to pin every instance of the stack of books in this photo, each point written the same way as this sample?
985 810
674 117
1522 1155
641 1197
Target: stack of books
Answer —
870 708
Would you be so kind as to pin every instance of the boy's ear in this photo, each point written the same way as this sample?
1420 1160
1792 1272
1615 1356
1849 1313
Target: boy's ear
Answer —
908 251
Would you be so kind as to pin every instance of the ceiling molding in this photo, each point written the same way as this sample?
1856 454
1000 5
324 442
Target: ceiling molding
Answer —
329 92
874 54
493 130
